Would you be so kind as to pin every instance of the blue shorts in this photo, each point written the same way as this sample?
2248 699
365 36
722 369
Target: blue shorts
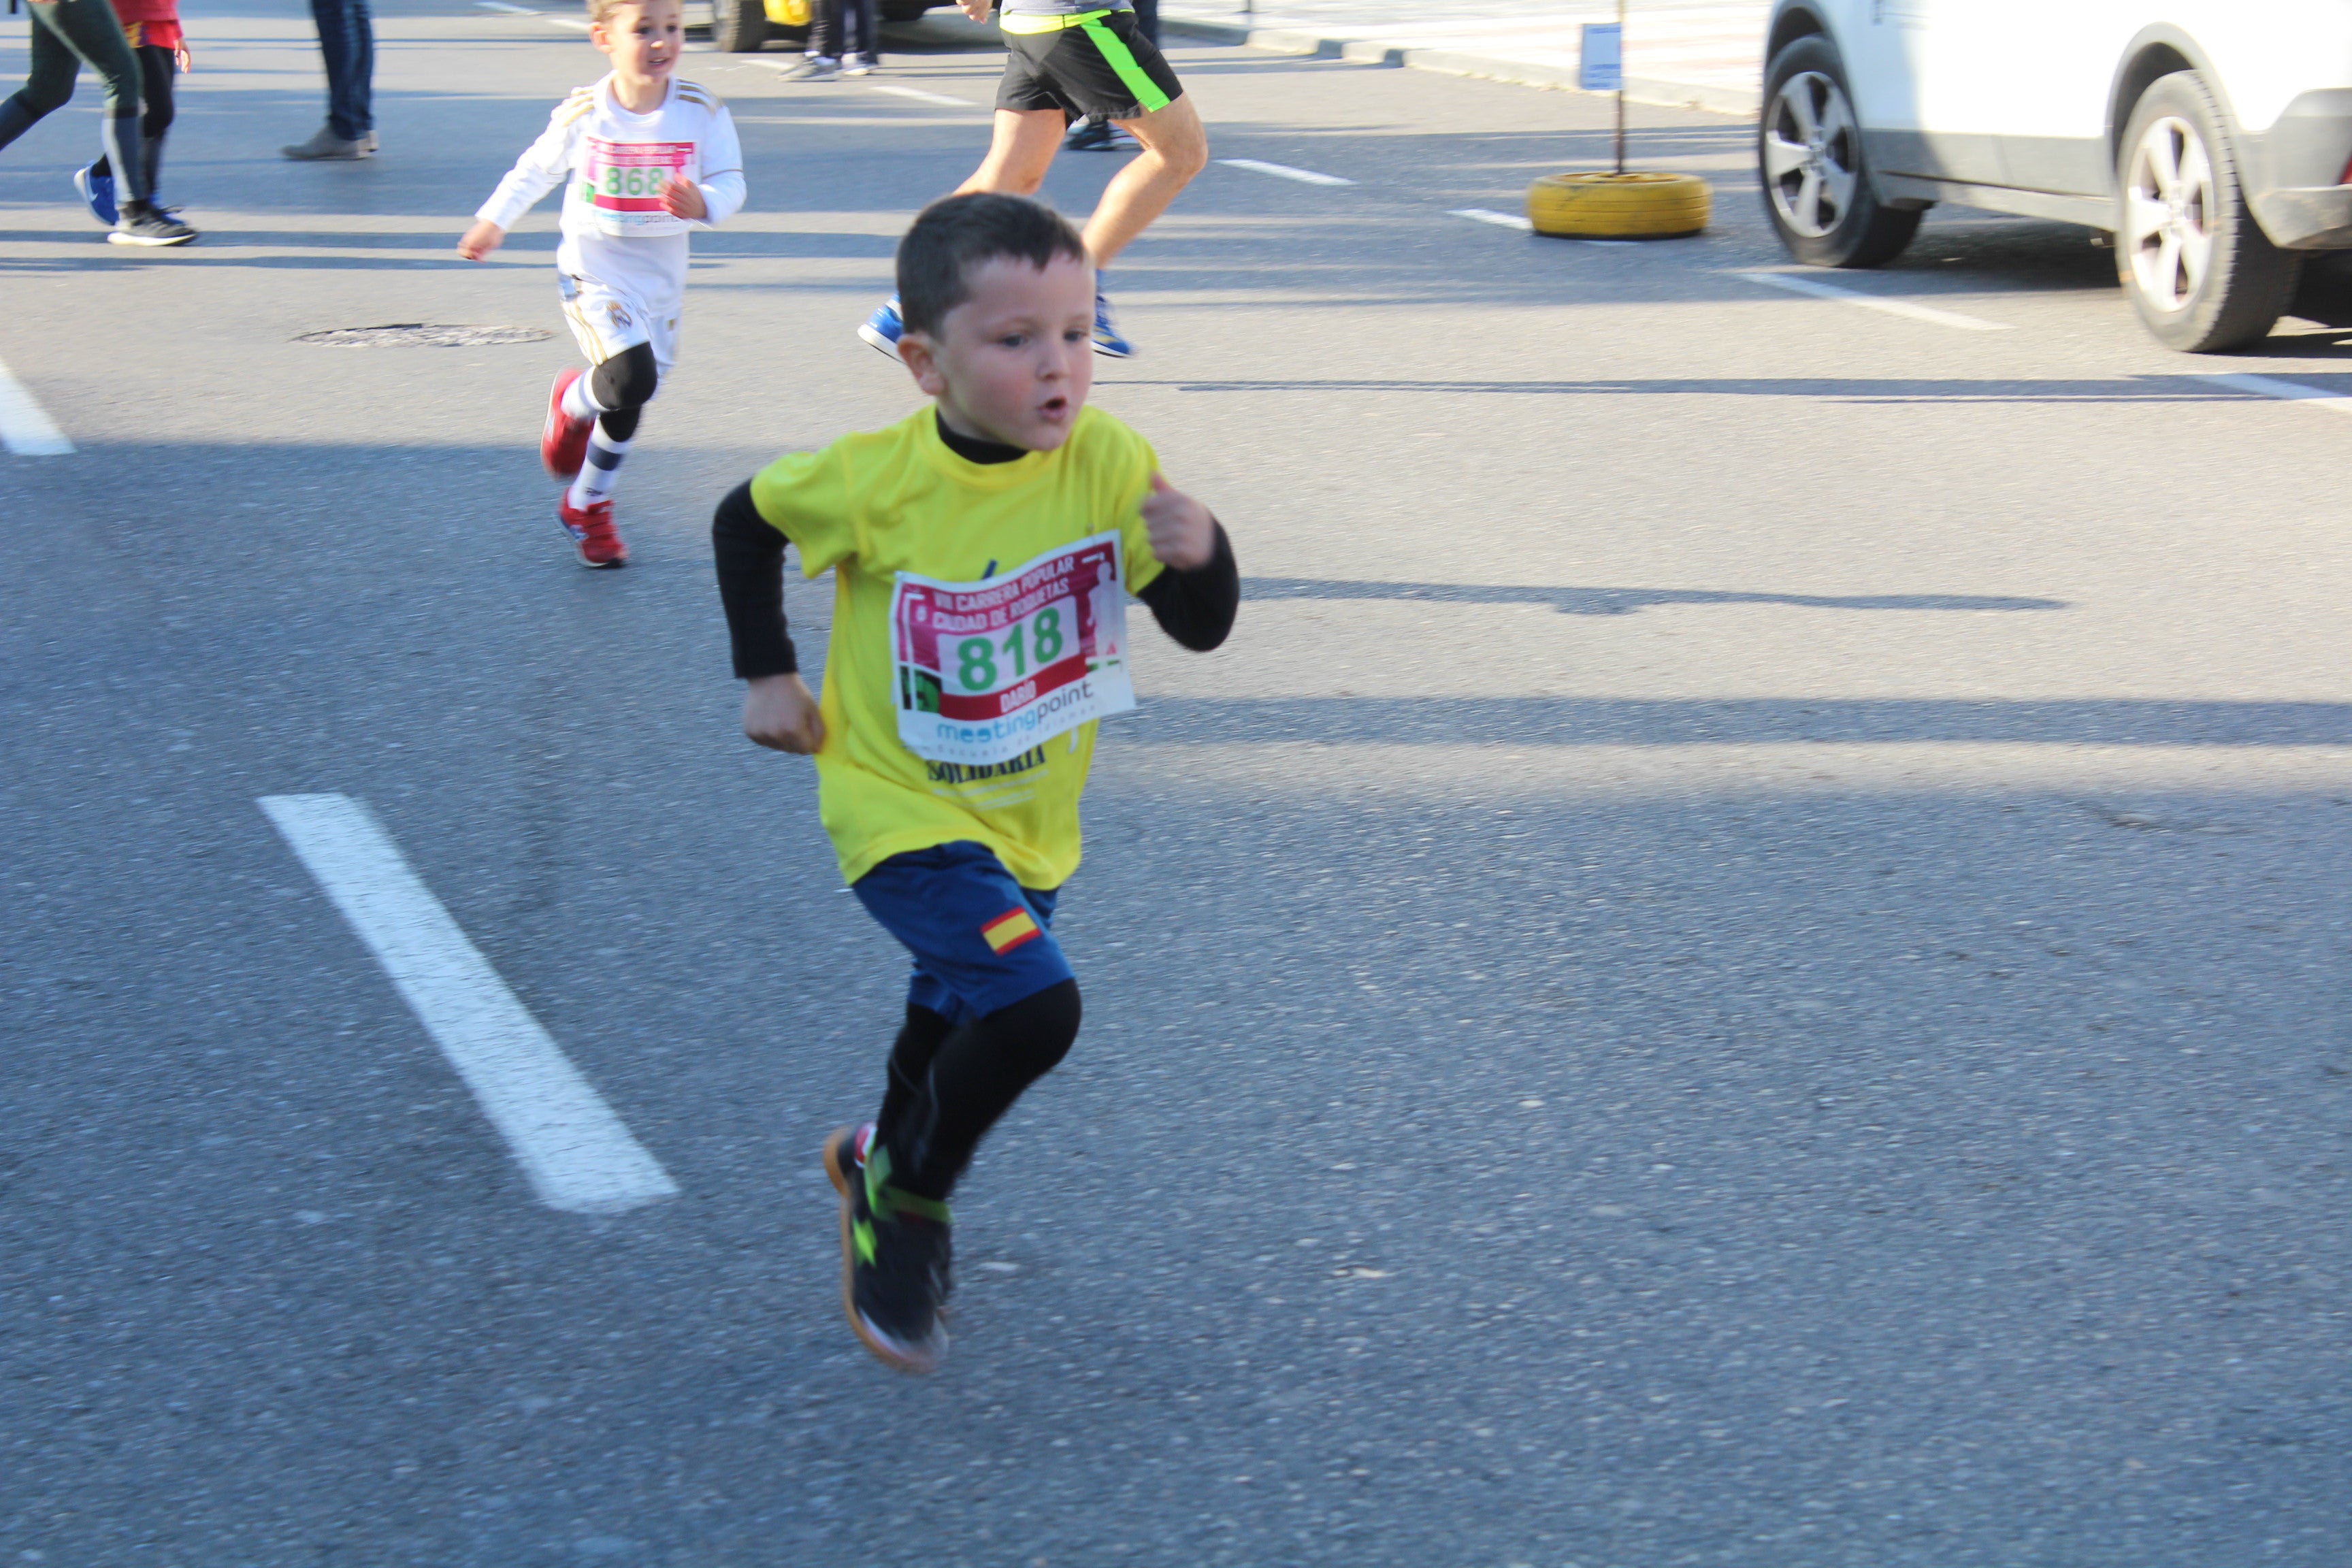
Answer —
980 940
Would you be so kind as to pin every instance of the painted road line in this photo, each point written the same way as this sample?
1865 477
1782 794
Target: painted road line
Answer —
1285 171
1500 220
504 9
920 96
26 428
576 1153
1796 285
574 23
2290 391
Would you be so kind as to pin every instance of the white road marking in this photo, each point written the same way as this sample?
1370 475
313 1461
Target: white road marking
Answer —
2292 391
500 5
26 428
1285 171
920 96
574 23
576 1153
1796 285
1501 220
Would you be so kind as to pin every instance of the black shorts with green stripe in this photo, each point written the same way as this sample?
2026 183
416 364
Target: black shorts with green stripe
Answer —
1092 63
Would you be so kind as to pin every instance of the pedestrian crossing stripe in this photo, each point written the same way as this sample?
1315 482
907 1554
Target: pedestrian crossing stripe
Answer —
1009 930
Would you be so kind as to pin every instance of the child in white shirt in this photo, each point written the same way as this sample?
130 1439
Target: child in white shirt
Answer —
643 158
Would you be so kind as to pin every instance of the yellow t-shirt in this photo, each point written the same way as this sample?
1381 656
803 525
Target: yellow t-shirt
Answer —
899 500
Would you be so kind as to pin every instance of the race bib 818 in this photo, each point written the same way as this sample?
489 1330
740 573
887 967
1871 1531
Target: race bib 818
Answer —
983 671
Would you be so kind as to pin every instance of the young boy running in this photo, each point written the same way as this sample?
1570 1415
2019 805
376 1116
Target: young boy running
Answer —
1073 59
981 551
642 158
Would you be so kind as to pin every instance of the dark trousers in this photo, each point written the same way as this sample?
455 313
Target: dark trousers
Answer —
67 36
347 40
156 67
843 27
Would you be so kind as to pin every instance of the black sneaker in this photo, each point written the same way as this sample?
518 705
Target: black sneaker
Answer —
143 225
895 1258
1088 135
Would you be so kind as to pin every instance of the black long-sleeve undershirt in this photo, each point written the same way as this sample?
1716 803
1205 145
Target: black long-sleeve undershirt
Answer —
1196 609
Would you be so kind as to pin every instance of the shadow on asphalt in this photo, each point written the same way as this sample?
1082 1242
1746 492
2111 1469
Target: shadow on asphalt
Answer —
1600 722
2186 388
1624 601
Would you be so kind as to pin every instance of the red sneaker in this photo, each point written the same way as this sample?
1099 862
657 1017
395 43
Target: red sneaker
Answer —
592 529
563 442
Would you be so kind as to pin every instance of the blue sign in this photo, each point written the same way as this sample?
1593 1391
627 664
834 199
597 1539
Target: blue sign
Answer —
1603 69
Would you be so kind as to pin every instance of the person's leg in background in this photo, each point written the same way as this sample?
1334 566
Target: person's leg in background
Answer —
67 34
157 64
156 69
823 57
347 45
861 43
47 85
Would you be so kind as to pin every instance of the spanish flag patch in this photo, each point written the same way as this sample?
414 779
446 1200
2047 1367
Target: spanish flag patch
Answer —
1009 930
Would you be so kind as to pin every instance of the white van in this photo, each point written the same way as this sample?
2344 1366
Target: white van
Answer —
2213 137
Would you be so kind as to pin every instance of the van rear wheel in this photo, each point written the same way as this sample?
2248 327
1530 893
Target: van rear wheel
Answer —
739 26
2201 273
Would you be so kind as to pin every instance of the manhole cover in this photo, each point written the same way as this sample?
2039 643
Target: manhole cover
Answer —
417 334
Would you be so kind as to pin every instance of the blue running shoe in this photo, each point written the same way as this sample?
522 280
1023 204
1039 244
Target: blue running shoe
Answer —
883 327
1107 337
98 190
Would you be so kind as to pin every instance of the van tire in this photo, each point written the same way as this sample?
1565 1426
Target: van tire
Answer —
739 26
1817 188
2247 282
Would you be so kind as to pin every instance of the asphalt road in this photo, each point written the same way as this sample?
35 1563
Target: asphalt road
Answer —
1741 961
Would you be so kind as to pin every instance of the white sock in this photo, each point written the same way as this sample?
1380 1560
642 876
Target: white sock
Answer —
578 401
598 472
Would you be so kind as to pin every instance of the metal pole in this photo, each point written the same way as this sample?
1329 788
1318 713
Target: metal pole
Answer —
1621 86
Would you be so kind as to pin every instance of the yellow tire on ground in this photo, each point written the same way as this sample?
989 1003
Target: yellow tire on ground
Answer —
1619 206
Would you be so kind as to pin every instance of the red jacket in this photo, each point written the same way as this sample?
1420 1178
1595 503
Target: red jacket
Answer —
130 11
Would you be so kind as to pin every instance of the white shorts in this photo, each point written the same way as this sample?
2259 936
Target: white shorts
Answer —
607 321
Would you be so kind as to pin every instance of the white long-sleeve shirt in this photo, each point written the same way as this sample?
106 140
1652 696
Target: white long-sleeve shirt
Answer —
611 164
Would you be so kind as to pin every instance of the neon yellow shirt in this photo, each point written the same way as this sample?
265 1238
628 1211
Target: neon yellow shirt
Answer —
899 500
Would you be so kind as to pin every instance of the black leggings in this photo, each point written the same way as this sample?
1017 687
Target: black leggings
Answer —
622 387
67 36
156 67
949 1084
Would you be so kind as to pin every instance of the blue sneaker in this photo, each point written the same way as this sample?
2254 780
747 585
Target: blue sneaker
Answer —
883 328
1107 337
98 190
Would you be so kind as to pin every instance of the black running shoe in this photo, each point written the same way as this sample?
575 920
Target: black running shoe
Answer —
895 1258
142 223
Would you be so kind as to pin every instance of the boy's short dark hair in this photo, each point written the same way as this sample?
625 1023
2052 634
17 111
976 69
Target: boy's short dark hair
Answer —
954 236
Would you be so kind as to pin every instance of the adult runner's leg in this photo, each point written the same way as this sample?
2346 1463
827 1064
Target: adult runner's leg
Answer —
1020 151
1175 148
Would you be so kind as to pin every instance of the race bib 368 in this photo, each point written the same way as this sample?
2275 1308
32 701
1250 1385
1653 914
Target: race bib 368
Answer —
983 671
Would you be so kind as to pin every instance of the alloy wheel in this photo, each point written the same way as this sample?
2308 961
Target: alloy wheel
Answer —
2169 201
1812 155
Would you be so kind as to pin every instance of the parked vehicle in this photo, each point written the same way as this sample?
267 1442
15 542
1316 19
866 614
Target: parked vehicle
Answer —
745 26
2212 138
